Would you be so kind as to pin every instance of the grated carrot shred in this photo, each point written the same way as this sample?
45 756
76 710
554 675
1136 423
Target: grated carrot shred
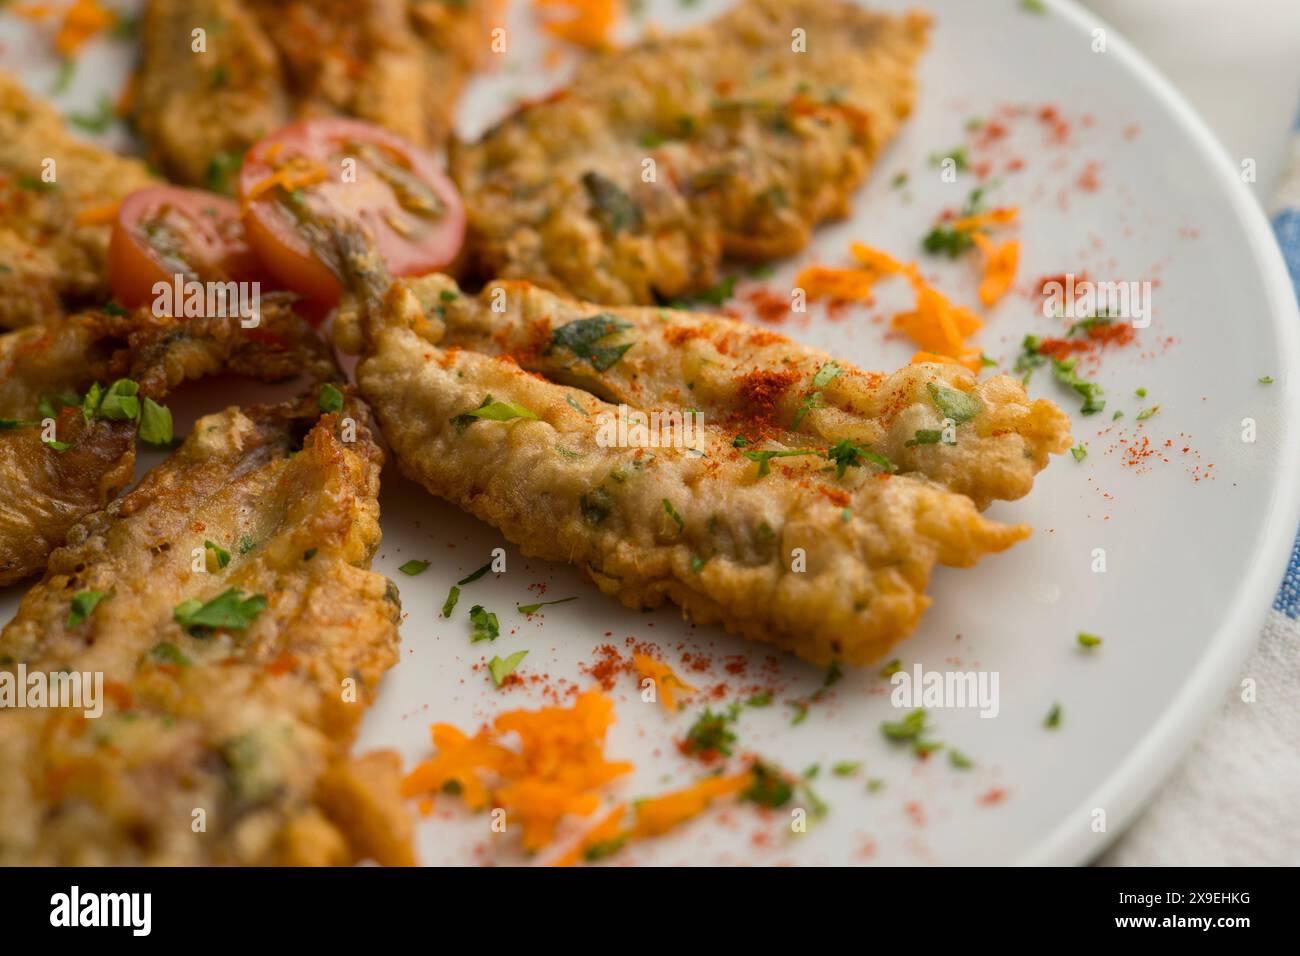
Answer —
81 22
666 682
587 23
936 324
1000 264
841 285
97 215
609 830
657 815
1001 216
556 770
297 173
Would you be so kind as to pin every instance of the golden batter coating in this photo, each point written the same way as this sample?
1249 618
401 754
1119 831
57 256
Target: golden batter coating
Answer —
45 489
398 63
49 259
732 139
829 562
220 744
762 385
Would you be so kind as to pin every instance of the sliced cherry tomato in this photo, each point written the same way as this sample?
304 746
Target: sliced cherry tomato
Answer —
164 231
299 185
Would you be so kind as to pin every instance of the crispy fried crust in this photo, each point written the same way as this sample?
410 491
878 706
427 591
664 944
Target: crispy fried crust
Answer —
704 531
273 61
47 261
246 731
43 491
764 386
754 140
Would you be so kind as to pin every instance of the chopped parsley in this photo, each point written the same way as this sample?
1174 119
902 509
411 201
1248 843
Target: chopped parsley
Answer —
449 605
959 760
1092 322
493 411
770 787
960 406
97 122
616 210
484 624
764 457
534 608
59 446
911 729
1053 719
120 403
155 423
475 575
958 155
1063 371
925 436
847 455
846 768
230 610
1088 640
1147 413
890 669
1079 452
581 337
83 605
413 567
672 513
219 554
331 399
501 668
710 735
1265 380
166 652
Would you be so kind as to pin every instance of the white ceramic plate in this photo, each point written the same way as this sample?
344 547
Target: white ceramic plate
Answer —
1194 544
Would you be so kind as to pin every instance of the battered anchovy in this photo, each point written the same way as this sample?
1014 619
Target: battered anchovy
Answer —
732 139
762 386
53 190
268 62
240 635
825 554
50 477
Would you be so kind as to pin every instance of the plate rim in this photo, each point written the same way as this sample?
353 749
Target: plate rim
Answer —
1149 762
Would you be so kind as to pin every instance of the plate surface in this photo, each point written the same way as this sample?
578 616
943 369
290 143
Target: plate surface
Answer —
1116 179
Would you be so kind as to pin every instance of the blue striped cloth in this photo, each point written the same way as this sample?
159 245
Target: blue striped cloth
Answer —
1286 223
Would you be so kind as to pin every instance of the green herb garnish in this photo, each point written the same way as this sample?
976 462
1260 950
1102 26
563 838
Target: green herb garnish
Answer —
83 605
331 399
581 337
534 608
484 624
230 610
502 668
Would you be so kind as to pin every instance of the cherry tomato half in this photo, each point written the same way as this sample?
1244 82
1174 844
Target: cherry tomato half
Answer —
299 183
164 231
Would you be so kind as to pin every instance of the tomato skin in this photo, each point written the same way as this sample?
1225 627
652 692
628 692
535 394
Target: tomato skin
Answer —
210 242
368 200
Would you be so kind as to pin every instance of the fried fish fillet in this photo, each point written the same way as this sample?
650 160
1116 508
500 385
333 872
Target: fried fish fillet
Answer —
44 489
732 139
398 63
49 258
762 385
244 729
707 530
